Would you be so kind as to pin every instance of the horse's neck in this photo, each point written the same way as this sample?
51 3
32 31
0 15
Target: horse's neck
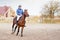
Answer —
23 16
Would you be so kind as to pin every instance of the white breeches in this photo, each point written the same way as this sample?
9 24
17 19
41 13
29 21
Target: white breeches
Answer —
18 16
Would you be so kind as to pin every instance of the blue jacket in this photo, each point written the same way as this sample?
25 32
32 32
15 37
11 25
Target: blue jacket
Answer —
19 11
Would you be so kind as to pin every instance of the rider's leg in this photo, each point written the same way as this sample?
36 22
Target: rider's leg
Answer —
18 16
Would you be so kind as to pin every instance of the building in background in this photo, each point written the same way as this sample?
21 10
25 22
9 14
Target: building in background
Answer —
6 11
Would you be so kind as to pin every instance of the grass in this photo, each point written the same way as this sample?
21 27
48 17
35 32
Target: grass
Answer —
9 20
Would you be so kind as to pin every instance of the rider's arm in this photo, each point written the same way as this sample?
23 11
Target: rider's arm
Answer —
22 11
17 12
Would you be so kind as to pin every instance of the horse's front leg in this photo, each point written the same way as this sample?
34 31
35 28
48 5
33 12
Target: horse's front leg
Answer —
18 31
22 31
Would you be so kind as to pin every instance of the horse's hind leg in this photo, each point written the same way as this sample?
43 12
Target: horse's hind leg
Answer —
22 31
18 31
13 27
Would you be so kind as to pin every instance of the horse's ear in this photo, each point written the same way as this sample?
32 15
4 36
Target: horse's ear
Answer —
26 12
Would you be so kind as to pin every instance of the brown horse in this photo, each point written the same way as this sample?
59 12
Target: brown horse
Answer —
20 23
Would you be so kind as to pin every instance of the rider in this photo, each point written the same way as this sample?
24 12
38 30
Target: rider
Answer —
19 12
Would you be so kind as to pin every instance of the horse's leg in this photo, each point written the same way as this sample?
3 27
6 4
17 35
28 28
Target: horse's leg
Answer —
22 31
13 27
18 30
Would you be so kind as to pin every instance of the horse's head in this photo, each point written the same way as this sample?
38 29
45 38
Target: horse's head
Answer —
26 13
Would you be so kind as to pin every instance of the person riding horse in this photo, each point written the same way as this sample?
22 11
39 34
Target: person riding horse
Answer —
21 16
19 12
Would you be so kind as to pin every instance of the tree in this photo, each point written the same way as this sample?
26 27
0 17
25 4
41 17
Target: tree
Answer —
51 8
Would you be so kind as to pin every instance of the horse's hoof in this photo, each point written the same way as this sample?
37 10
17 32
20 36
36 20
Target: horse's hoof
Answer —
21 35
12 33
16 34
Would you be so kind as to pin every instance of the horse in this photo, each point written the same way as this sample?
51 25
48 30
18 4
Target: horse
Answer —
20 24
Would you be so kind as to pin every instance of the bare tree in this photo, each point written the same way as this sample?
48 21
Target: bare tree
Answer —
51 8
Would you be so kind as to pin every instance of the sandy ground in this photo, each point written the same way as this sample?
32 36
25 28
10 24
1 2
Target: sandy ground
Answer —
31 32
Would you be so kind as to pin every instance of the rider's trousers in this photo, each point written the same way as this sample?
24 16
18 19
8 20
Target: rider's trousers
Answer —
18 16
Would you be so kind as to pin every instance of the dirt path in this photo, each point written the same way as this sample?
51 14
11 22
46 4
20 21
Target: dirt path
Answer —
31 32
